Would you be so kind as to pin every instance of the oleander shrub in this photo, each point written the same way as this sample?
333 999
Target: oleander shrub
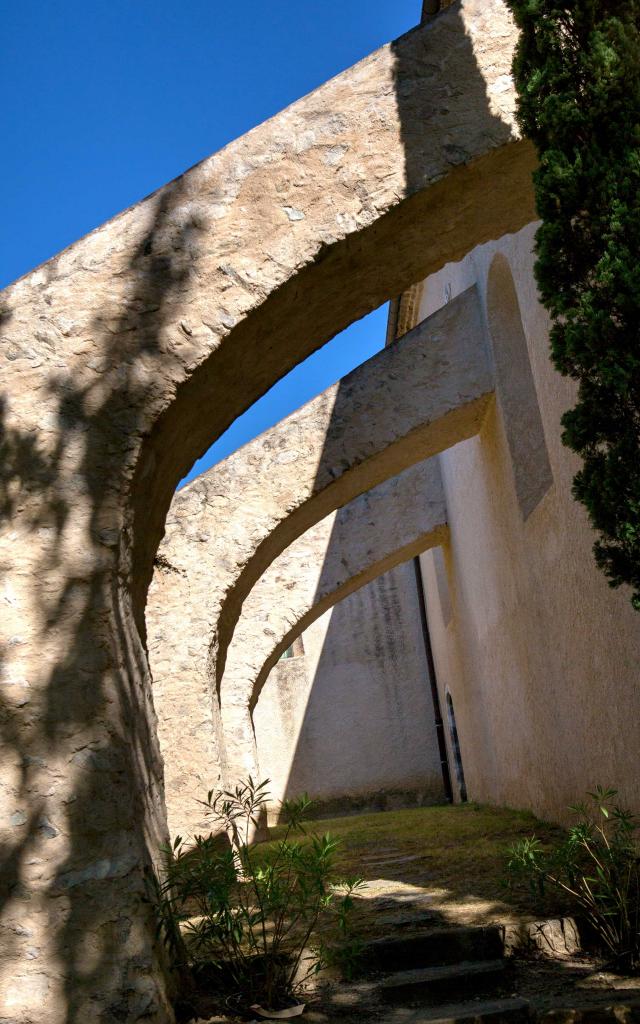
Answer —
253 921
598 867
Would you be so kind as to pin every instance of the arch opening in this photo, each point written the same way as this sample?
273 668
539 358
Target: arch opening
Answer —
263 479
345 352
352 724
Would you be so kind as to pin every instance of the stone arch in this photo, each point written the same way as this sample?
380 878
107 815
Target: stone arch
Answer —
423 137
352 723
426 392
127 355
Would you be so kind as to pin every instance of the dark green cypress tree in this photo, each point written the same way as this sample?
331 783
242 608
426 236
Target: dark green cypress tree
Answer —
577 74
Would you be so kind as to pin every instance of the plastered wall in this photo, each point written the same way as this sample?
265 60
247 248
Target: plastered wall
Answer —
541 658
351 722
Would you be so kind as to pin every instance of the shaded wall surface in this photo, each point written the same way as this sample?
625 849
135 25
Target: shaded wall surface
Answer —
540 657
351 721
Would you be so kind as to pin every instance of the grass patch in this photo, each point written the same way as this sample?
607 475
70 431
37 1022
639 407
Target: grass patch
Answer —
454 853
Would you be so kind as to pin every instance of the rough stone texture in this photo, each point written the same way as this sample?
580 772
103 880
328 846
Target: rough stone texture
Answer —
123 359
539 654
355 728
626 1012
224 528
555 937
347 549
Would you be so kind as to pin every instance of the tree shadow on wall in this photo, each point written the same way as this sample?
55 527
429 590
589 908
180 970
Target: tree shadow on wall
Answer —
438 85
82 707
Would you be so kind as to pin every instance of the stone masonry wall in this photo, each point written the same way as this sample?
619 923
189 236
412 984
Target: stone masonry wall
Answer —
340 554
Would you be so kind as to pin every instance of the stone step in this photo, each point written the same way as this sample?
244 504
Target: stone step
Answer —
497 1011
627 1012
455 980
432 948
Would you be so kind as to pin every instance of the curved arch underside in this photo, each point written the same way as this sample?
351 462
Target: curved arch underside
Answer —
422 395
401 157
378 530
425 393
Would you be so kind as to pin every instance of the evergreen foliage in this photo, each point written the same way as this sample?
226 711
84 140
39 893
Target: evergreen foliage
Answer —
577 73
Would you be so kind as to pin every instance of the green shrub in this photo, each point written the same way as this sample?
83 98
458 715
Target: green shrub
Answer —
598 867
577 74
259 919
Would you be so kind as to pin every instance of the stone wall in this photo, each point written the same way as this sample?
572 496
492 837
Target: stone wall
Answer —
365 538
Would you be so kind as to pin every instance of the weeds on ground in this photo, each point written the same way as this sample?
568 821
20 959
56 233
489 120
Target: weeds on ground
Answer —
263 919
598 867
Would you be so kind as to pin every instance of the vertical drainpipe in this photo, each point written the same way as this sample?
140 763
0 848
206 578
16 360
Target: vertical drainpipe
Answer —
433 682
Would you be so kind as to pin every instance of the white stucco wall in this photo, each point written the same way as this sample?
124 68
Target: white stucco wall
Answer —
352 722
540 656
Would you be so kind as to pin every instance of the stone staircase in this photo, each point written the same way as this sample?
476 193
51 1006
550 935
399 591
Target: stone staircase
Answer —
456 974
469 975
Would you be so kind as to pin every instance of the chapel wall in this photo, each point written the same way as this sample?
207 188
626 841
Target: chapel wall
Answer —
351 721
539 655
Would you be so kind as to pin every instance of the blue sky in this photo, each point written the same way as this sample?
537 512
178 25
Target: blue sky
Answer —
103 102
